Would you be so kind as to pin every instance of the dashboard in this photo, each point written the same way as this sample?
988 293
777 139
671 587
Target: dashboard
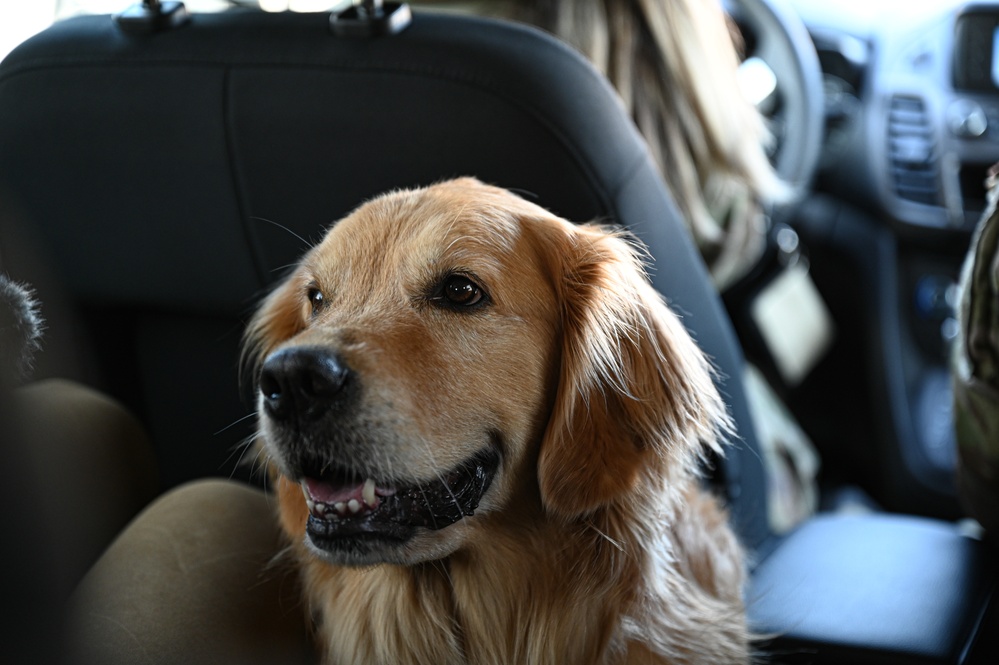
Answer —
912 105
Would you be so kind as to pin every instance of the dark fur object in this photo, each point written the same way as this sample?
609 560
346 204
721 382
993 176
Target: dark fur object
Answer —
21 329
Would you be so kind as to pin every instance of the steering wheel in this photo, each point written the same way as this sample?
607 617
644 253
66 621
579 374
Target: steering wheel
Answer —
793 103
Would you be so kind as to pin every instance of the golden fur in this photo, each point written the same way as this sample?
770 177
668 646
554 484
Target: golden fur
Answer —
594 542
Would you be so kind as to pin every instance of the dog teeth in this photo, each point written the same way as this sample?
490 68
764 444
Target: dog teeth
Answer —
368 501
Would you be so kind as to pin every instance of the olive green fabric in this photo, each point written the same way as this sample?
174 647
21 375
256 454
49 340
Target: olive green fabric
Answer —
94 461
976 372
196 578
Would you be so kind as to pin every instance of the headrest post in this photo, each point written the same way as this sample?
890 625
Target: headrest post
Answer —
152 16
371 18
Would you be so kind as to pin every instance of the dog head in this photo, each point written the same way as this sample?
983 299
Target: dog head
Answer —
453 353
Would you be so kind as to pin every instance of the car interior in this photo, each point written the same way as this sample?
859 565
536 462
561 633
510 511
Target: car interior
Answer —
161 168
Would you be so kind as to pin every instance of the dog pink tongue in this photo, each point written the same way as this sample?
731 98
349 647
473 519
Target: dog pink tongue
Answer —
325 493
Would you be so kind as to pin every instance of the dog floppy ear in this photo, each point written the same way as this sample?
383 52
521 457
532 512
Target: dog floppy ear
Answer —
635 393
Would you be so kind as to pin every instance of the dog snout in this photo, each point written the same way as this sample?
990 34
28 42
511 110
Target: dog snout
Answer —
303 383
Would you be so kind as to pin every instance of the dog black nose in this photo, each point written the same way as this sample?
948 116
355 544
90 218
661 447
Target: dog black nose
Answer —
302 382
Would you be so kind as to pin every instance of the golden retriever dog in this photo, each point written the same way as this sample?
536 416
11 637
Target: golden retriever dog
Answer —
484 427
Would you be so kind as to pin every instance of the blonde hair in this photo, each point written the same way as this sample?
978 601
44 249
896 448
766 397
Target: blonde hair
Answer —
674 64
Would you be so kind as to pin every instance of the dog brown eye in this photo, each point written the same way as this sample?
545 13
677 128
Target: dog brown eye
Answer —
316 299
461 291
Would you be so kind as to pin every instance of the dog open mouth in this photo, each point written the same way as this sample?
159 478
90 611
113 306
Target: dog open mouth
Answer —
346 510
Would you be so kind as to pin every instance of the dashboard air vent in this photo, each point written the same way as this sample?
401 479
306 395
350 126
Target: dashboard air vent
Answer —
912 151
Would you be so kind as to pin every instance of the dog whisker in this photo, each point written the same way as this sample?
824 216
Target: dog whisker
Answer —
240 450
306 243
283 268
440 477
236 422
455 218
524 193
257 464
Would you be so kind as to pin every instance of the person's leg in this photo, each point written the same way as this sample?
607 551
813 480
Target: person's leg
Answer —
196 578
976 371
91 463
